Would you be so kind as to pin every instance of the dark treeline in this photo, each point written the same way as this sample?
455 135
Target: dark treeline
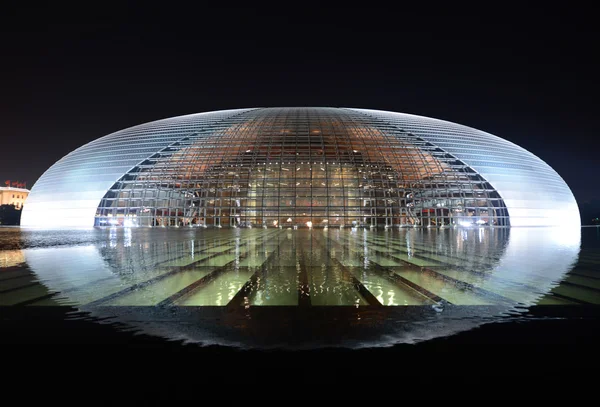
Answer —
590 212
9 215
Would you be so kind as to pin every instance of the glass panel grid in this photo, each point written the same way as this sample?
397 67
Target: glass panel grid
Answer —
302 167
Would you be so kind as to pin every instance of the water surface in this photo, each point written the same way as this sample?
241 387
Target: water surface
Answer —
299 288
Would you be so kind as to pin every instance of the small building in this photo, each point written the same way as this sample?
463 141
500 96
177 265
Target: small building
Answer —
13 196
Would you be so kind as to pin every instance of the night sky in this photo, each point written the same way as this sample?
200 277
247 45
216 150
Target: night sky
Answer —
69 76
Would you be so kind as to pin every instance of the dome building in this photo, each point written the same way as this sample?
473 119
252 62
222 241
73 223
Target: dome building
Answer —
300 167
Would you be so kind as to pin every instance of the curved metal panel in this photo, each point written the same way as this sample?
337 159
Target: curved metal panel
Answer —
69 192
533 192
300 167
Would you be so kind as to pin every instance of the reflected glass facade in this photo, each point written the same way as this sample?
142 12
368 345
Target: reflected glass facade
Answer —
302 167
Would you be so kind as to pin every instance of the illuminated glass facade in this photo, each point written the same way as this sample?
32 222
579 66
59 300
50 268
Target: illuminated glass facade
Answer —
300 167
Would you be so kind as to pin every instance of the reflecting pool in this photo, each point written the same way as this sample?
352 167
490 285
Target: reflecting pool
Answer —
306 288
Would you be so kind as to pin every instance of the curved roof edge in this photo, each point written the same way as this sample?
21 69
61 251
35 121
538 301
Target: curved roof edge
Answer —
534 193
50 202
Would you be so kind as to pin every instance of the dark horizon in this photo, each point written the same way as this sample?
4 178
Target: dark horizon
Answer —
73 75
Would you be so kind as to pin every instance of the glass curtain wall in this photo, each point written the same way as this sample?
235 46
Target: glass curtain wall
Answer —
302 167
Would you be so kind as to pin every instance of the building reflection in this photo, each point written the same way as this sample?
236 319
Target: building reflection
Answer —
218 284
11 258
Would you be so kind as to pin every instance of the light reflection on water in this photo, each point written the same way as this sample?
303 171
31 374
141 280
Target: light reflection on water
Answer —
291 288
